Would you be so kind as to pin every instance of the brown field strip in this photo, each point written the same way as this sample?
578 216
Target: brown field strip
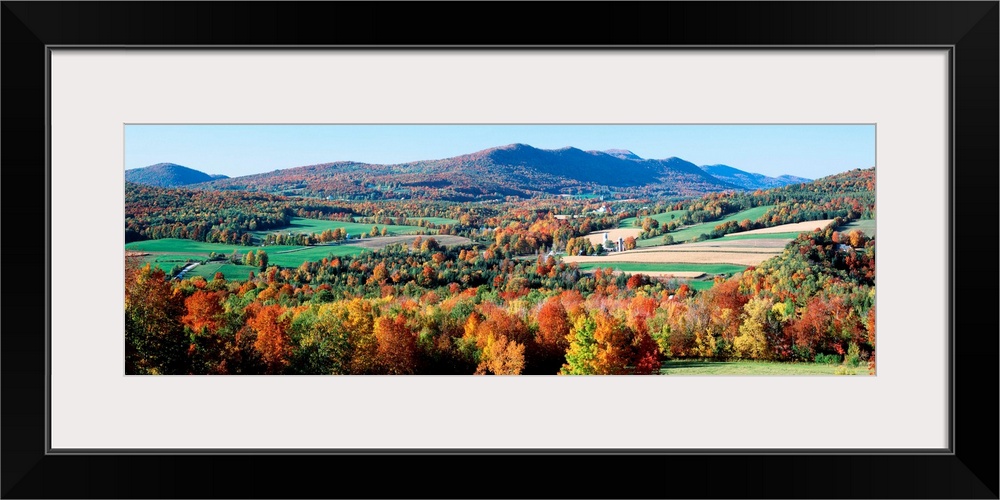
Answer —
800 227
665 257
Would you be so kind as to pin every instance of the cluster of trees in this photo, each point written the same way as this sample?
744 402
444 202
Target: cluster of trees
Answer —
526 227
815 300
326 236
210 216
217 327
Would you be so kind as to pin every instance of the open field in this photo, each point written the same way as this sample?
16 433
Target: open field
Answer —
787 237
700 285
661 218
175 250
382 242
208 270
866 226
796 227
742 256
677 269
172 258
692 232
300 225
296 257
169 250
739 244
180 246
167 262
754 245
708 367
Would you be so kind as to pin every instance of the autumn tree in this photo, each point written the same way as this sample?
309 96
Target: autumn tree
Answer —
397 346
501 356
752 341
379 275
204 311
551 342
857 238
601 344
154 336
261 259
272 342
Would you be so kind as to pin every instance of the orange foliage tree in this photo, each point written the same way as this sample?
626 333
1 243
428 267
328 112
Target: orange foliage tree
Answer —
397 346
204 311
272 342
551 341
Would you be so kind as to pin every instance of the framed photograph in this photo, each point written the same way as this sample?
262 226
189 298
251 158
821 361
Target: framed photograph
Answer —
330 234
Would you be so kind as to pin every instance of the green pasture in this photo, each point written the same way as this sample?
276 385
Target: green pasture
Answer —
167 262
299 225
229 270
866 226
310 254
700 285
181 246
176 258
638 267
663 218
177 251
692 232
709 367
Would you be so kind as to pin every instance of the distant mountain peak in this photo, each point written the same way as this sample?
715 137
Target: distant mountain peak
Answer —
514 147
168 175
622 153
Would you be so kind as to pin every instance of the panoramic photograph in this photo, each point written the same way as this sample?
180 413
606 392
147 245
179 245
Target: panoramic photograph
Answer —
691 250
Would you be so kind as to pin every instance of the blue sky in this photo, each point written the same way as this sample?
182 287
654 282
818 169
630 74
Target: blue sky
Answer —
811 151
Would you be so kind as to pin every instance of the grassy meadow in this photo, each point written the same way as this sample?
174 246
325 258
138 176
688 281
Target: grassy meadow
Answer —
171 251
299 225
692 232
663 218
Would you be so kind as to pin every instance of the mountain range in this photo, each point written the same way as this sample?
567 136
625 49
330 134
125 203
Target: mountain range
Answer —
749 180
513 170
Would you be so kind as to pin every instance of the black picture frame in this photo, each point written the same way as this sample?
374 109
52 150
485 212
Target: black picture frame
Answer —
969 470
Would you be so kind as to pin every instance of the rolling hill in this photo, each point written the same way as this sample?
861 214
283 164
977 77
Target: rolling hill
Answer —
168 175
